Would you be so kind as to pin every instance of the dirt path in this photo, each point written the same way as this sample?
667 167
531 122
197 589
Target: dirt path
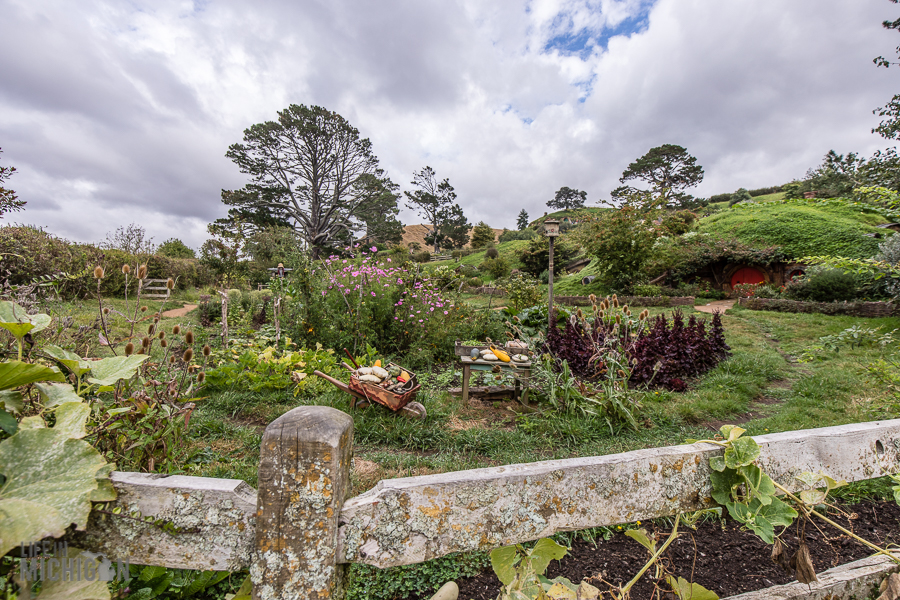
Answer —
179 312
720 305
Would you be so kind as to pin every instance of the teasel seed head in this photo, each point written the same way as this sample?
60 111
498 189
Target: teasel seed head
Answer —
170 284
164 343
142 272
201 376
171 360
145 342
593 298
126 269
129 349
615 302
161 335
579 313
188 355
618 319
621 373
98 272
207 350
189 338
141 351
625 308
176 330
143 309
105 311
151 329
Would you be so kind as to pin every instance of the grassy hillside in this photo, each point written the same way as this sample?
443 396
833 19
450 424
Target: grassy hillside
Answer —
801 230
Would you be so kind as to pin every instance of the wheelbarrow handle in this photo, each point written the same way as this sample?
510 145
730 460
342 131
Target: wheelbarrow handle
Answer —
338 384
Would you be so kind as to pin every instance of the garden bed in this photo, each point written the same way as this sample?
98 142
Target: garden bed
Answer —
721 556
855 309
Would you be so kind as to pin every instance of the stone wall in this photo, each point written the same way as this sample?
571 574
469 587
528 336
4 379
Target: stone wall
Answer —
856 309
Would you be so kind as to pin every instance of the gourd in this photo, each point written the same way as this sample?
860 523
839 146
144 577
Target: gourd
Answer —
489 356
394 371
379 372
369 378
364 371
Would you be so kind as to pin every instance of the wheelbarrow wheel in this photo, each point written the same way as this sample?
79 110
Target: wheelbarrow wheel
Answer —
415 410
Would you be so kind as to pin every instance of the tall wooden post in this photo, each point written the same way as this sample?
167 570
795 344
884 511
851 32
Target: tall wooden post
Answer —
304 478
550 300
551 230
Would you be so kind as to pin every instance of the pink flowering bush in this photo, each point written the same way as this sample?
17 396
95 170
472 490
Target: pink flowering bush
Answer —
350 302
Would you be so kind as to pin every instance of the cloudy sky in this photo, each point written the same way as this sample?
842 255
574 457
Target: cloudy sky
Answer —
122 111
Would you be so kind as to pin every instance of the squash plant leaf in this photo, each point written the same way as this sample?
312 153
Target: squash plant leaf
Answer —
503 562
640 536
18 322
543 552
70 360
8 422
743 451
685 590
71 418
50 479
759 483
16 373
12 401
109 371
54 394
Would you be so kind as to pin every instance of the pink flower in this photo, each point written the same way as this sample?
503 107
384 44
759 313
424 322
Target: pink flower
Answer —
373 249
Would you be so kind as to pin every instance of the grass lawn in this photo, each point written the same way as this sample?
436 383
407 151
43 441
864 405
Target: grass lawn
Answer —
762 385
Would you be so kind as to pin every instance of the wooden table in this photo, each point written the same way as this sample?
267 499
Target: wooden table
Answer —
519 370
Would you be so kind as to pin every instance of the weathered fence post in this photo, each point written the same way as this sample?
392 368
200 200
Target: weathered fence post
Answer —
304 478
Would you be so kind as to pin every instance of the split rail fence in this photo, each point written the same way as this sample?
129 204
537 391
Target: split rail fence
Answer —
300 530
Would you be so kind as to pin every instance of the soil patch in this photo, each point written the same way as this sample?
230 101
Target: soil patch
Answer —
718 555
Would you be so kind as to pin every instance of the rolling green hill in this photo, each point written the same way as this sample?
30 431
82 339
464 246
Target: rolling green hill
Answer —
800 229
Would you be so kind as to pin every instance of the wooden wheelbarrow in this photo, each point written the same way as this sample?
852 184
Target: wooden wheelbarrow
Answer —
365 393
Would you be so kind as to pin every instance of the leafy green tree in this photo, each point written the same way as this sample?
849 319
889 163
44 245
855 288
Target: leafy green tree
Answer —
379 214
452 229
9 202
741 195
433 200
890 127
175 248
668 169
535 257
482 235
835 177
567 198
306 167
622 240
522 221
249 213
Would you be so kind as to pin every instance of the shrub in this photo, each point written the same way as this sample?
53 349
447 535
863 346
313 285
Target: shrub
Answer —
474 282
482 235
647 290
509 235
661 355
536 256
822 285
492 252
422 257
175 248
667 354
522 291
497 267
742 195
767 291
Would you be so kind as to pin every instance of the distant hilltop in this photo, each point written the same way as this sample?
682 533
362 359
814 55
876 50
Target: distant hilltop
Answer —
417 233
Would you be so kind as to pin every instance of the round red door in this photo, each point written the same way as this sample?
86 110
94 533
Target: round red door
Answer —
747 275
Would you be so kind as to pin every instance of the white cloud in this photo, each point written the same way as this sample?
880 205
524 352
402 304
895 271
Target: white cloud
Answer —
118 112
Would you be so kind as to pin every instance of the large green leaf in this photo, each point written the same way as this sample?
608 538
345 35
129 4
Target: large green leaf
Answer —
52 479
71 418
760 483
72 361
543 552
15 373
503 563
723 483
640 535
743 451
54 394
686 590
109 371
8 422
18 322
81 588
12 401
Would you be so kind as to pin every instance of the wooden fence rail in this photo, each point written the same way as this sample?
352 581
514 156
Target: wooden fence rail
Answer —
299 531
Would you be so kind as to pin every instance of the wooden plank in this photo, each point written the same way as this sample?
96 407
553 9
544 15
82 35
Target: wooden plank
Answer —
412 519
220 512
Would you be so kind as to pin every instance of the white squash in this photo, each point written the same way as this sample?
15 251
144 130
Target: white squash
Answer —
364 371
489 356
369 378
379 372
